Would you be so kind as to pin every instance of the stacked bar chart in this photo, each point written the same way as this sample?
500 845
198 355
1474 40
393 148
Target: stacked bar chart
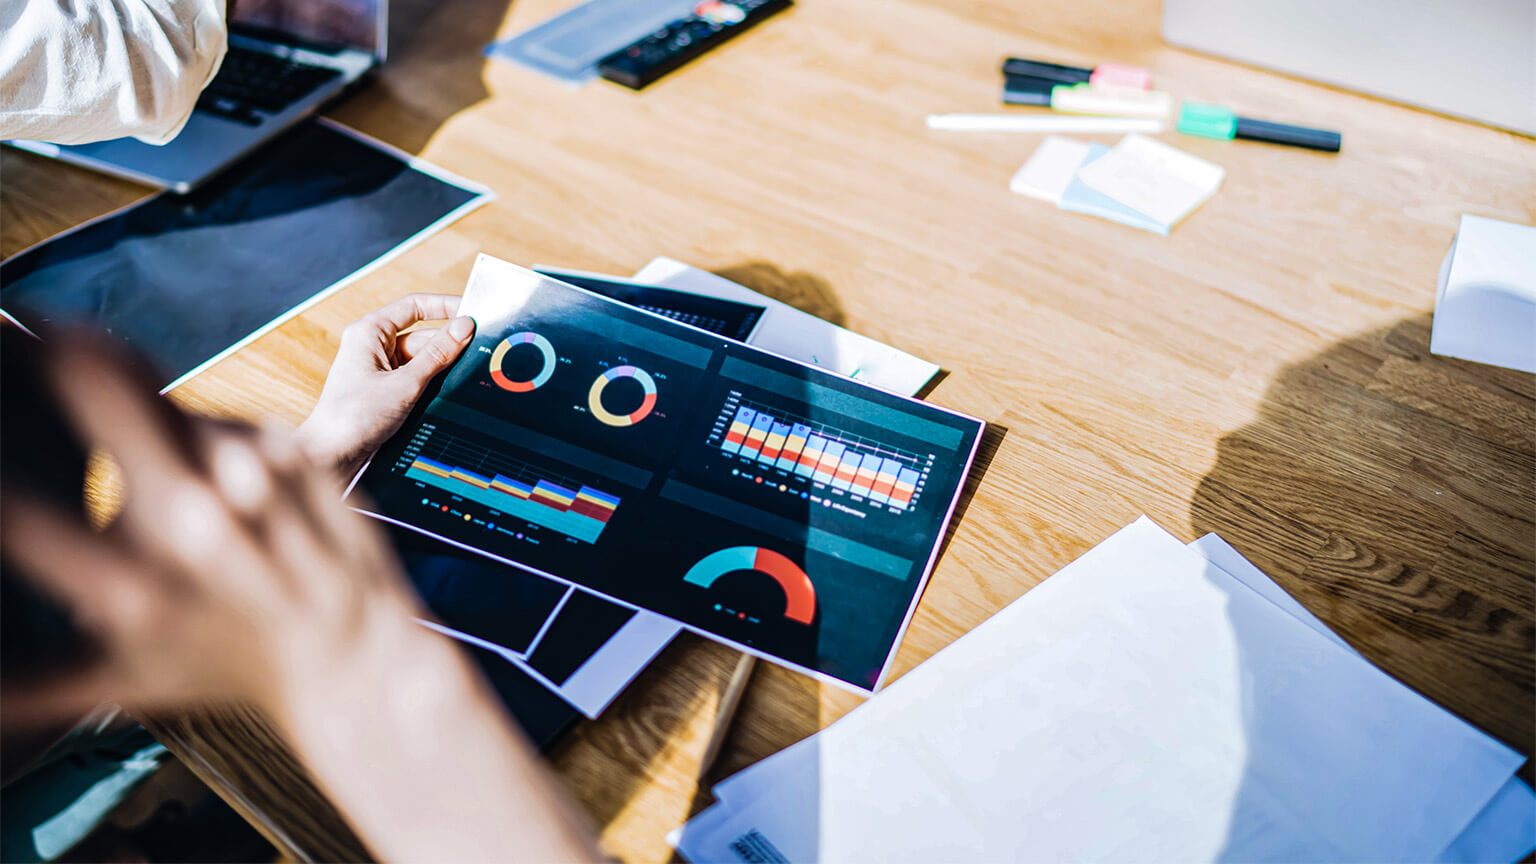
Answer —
884 475
514 488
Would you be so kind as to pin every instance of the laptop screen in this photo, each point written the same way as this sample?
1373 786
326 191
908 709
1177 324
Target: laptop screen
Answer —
353 23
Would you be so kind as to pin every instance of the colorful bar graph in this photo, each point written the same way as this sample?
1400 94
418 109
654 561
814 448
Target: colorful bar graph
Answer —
823 455
580 513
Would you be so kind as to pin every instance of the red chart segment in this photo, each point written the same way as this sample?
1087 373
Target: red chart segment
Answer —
799 593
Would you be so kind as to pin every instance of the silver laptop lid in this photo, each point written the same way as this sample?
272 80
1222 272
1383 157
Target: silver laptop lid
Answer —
362 25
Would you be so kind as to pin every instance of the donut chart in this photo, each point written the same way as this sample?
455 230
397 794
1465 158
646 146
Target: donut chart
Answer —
799 593
525 338
595 396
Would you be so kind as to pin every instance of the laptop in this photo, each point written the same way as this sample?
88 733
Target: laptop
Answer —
1474 59
286 59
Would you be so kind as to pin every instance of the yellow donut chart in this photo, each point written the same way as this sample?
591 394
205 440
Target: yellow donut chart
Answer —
595 396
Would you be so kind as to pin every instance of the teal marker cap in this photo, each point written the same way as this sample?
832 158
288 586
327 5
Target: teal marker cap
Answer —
1207 121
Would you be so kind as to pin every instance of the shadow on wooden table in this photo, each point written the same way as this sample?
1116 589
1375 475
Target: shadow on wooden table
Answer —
1393 493
805 291
435 70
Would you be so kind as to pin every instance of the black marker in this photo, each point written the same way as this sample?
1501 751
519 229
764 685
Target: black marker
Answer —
1213 121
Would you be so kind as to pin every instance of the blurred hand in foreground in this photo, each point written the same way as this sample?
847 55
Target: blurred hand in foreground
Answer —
232 572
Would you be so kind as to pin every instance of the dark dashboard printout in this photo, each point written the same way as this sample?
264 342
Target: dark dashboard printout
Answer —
768 504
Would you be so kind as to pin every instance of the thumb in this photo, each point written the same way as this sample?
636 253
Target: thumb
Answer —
440 352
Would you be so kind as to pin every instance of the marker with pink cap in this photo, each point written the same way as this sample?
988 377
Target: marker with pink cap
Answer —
1030 82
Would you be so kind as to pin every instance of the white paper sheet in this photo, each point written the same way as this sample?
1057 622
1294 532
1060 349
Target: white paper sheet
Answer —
1505 829
1485 306
1152 708
797 335
1153 178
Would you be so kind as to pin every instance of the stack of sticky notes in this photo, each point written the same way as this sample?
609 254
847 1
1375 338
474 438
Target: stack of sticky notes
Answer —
1139 182
1150 702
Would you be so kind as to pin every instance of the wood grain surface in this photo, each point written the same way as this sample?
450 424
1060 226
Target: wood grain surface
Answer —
1263 372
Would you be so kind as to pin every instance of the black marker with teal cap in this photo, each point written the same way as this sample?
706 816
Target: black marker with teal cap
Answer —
1205 120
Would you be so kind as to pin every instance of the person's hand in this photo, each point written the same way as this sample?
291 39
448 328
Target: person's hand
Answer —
377 377
231 572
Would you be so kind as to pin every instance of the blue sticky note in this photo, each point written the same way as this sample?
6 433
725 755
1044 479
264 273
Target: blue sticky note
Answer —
1081 198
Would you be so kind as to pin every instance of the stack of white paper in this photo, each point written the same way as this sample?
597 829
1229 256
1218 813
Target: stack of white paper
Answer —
1150 702
1139 182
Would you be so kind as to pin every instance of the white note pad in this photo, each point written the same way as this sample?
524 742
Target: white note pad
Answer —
1050 168
1485 308
1153 178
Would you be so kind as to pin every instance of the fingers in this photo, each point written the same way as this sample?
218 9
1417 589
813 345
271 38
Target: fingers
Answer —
439 352
415 308
411 343
111 407
98 581
241 475
408 310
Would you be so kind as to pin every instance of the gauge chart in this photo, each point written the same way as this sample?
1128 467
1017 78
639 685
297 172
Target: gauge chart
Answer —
799 593
510 486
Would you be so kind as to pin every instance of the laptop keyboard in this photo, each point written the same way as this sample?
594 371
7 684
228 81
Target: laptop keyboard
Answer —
251 81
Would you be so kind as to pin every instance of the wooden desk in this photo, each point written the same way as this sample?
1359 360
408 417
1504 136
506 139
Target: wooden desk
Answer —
1263 372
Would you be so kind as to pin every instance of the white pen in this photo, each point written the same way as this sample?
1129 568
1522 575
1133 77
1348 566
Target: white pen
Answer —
1042 123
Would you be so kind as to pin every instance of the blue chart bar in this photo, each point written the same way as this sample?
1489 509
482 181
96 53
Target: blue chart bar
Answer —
815 446
544 504
736 436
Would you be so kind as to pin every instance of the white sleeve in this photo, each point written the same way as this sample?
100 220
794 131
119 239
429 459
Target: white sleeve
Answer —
74 71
